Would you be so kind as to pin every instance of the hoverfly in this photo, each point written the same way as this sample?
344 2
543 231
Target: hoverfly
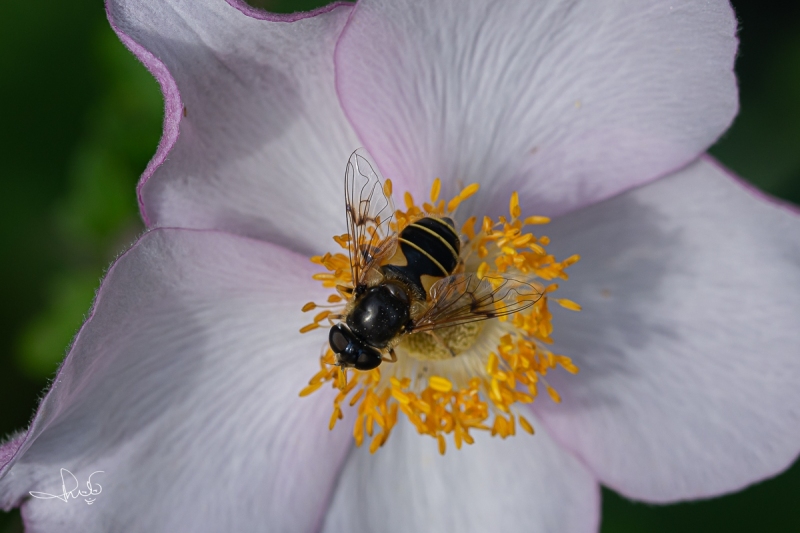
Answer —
405 282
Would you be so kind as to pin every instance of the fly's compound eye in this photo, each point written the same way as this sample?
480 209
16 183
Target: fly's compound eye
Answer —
367 358
351 351
339 338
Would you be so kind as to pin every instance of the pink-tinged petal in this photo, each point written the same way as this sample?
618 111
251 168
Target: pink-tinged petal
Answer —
519 484
263 145
182 388
567 102
688 343
9 448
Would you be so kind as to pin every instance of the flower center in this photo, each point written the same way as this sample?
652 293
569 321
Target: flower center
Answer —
453 379
446 344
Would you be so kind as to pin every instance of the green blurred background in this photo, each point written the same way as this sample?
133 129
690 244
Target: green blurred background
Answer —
81 118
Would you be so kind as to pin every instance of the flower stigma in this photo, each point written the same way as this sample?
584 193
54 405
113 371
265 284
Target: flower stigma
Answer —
461 378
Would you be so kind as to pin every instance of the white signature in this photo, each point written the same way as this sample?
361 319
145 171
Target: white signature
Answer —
67 478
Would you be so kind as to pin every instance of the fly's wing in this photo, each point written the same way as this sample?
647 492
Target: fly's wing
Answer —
465 298
370 212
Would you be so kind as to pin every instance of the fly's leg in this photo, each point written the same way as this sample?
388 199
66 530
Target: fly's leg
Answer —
392 356
333 318
345 292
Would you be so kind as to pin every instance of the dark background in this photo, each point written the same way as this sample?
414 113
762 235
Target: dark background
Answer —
81 118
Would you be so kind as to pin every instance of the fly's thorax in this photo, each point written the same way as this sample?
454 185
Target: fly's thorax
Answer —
380 314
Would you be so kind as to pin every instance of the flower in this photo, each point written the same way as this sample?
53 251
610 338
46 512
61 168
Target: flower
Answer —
182 386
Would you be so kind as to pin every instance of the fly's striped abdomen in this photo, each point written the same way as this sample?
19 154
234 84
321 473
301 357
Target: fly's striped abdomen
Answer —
426 247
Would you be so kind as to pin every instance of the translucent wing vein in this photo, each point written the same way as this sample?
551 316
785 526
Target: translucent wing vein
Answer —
464 298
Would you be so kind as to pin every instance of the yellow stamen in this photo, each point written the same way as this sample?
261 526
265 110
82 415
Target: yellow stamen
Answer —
409 201
513 207
440 384
568 304
468 191
448 399
482 270
525 424
469 228
536 220
437 185
311 388
553 394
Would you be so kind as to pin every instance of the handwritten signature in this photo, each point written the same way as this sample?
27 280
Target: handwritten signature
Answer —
67 478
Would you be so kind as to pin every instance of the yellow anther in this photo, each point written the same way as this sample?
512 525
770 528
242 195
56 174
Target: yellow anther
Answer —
522 240
482 270
356 397
435 188
469 190
322 315
536 248
310 388
309 327
513 206
440 384
376 443
567 364
469 228
525 424
358 432
408 199
341 240
400 396
496 390
492 364
536 220
568 304
553 394
309 306
336 415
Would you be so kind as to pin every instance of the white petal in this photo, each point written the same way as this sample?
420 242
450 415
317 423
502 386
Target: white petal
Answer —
182 388
264 144
523 483
688 343
567 102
